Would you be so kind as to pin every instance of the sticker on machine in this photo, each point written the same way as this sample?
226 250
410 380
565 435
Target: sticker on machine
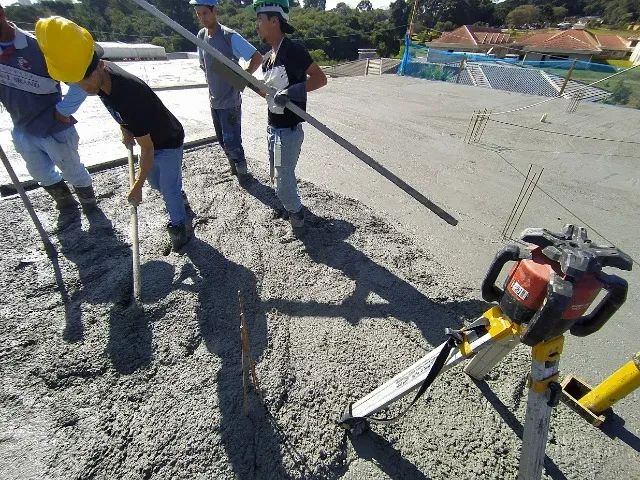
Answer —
519 290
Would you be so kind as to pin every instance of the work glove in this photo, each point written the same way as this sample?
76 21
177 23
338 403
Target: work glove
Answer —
273 106
296 92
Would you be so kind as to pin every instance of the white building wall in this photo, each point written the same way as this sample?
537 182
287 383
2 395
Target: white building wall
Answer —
635 56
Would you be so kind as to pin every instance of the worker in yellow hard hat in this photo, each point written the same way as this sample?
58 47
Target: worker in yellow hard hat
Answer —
72 56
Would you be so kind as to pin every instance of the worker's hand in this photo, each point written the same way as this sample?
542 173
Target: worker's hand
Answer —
296 92
273 106
62 119
281 98
135 195
128 139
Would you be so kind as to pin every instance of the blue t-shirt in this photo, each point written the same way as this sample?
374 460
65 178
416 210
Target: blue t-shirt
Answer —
233 46
27 91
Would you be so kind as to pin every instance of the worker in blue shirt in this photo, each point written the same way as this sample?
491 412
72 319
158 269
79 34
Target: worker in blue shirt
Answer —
43 128
225 100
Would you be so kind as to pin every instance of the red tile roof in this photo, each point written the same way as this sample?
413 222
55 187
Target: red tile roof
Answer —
612 42
471 35
562 40
556 40
581 40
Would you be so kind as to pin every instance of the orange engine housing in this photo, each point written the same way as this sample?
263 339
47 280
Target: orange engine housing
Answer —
526 288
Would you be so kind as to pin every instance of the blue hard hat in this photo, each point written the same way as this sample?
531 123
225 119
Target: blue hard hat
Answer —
207 3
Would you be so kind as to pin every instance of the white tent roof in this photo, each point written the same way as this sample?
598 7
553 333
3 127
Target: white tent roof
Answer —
118 50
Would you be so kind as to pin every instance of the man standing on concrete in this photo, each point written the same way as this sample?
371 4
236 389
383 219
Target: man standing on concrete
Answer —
43 130
225 98
70 54
292 72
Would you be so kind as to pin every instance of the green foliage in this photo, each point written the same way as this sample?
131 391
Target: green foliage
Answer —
457 12
319 56
613 12
620 63
523 15
559 13
335 34
444 26
364 6
620 94
319 4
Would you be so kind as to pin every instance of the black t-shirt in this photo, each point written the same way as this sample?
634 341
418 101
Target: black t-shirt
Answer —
137 108
295 59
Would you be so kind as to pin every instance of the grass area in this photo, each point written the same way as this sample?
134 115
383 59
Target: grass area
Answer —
630 79
608 31
620 63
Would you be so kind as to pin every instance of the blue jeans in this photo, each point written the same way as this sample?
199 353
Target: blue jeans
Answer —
227 123
284 150
166 177
43 154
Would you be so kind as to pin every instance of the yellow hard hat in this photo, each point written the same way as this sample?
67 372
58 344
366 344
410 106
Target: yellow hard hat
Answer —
68 48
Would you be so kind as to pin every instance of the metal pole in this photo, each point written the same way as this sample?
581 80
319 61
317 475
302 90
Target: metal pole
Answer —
518 200
48 246
137 286
460 68
615 387
566 80
231 70
245 347
544 392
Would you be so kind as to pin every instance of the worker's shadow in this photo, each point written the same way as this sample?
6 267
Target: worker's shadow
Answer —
263 193
378 293
325 241
251 441
130 338
103 261
371 446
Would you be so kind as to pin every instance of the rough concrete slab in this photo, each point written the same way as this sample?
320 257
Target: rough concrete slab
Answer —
96 386
93 387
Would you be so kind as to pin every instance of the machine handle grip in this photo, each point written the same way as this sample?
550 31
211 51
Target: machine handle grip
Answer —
510 253
616 295
546 323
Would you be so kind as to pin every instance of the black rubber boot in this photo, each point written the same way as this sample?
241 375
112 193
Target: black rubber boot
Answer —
187 205
65 203
191 215
178 235
297 218
62 196
232 167
87 198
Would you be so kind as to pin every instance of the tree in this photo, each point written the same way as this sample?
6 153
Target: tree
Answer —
546 12
622 12
458 12
343 9
364 6
319 4
620 94
559 13
319 56
399 11
332 35
444 26
523 15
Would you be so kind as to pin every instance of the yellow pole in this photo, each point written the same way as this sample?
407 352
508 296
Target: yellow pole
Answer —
566 80
413 16
617 386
